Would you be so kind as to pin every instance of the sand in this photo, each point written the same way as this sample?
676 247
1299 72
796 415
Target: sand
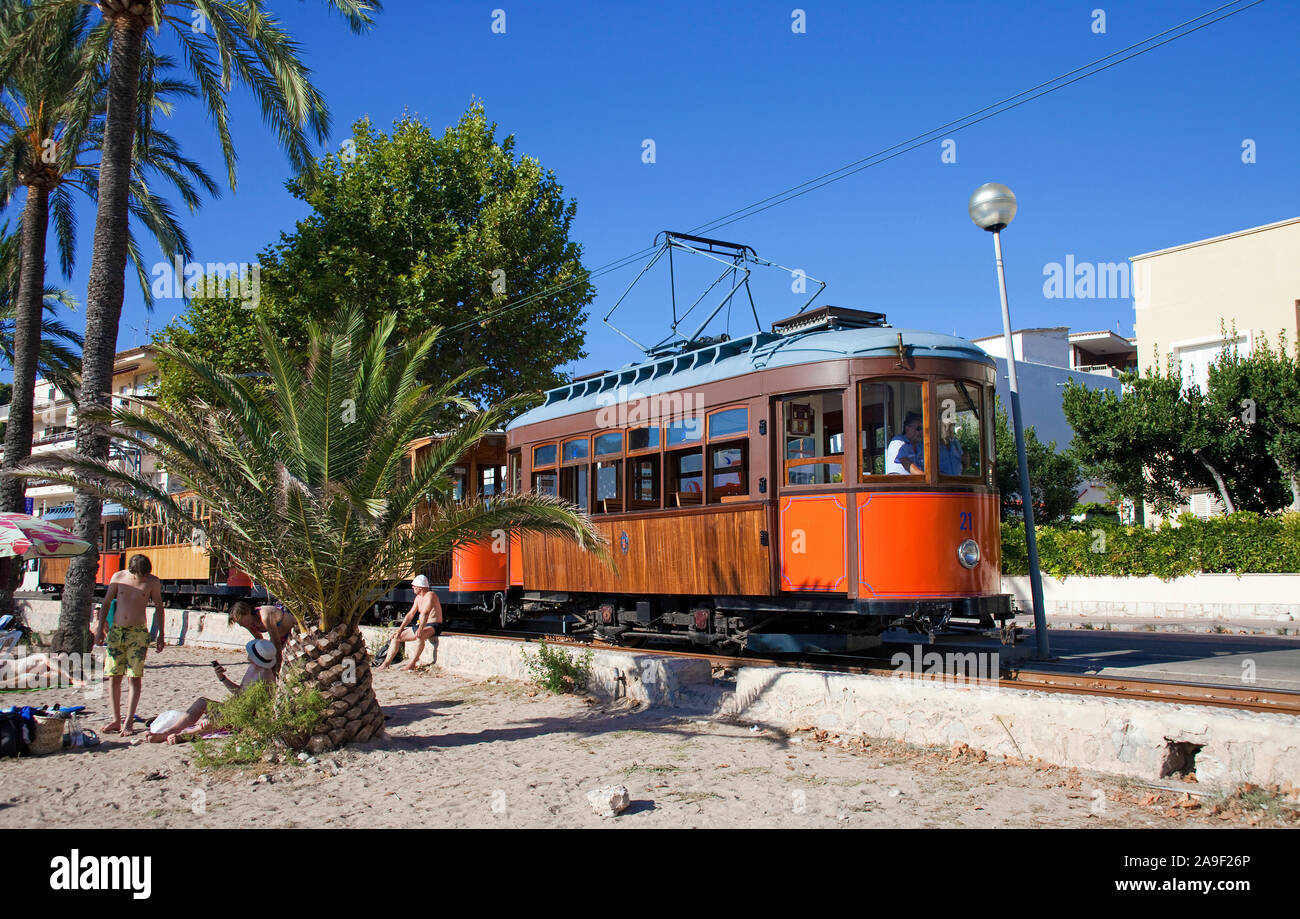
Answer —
465 753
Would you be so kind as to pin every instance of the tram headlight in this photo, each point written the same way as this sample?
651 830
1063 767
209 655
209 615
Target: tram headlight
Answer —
969 553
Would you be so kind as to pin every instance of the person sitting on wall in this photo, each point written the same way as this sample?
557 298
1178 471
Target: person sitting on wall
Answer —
429 627
905 454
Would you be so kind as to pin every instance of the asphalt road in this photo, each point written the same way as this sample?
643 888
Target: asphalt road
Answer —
1227 660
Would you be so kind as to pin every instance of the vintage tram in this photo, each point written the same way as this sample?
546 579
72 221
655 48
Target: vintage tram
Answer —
470 580
759 488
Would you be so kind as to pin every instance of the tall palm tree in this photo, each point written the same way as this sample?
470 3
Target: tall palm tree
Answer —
53 102
308 487
222 41
58 358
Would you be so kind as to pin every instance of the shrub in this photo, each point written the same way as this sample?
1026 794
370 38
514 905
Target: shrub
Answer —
556 670
262 719
1238 543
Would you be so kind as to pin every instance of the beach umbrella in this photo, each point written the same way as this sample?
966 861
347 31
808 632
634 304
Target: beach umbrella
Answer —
25 536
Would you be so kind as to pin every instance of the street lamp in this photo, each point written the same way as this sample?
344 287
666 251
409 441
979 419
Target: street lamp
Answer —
992 207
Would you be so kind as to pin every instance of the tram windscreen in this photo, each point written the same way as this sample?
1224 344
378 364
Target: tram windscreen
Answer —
958 404
892 427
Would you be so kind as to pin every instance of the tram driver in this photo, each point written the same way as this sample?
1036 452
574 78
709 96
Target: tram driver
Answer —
906 452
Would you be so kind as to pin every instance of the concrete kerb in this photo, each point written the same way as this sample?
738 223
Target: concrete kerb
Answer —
1123 737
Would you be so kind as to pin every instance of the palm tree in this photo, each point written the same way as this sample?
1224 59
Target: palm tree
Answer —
221 42
308 487
59 356
52 113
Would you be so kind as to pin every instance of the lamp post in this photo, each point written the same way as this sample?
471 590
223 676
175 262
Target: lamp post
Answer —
992 207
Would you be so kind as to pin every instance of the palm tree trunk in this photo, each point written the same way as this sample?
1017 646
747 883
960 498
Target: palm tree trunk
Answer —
103 312
27 344
337 663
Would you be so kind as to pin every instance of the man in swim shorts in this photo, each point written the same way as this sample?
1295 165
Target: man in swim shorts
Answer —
128 637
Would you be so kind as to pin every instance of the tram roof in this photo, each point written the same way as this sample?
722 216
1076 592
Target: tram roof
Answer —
739 356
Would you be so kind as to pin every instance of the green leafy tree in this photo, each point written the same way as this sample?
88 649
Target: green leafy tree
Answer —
222 43
1159 439
444 230
1258 397
1055 475
309 489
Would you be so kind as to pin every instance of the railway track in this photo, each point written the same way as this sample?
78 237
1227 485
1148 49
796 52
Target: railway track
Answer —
1242 698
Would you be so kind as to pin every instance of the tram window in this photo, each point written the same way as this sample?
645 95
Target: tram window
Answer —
490 480
686 477
730 422
960 433
544 456
892 427
729 471
545 483
573 485
642 439
812 426
609 444
684 431
575 450
514 472
609 492
643 482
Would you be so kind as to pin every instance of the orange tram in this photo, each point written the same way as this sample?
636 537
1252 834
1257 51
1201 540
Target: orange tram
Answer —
811 486
808 487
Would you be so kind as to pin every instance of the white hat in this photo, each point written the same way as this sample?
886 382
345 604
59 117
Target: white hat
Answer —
261 653
420 581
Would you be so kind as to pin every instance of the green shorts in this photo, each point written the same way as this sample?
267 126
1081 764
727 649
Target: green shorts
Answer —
126 650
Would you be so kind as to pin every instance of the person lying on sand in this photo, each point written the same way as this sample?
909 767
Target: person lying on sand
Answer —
426 604
194 721
35 671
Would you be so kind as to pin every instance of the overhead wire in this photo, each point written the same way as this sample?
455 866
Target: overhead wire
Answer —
895 150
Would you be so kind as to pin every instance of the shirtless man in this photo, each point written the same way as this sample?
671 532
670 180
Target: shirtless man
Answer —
128 639
426 602
268 621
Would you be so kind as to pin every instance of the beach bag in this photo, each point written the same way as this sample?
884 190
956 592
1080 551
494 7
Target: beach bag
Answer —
13 734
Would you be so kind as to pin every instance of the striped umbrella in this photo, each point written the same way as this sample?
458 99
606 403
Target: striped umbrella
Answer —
25 536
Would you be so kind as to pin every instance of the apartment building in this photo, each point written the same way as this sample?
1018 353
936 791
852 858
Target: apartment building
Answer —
135 373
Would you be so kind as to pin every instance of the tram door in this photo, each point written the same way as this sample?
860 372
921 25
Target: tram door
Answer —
812 504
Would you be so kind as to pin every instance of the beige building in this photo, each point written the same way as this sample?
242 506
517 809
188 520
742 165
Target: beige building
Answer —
135 373
1185 296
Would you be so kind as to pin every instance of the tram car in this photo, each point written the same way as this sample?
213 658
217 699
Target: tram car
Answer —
470 580
833 477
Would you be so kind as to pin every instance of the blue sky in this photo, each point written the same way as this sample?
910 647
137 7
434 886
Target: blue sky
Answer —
1143 156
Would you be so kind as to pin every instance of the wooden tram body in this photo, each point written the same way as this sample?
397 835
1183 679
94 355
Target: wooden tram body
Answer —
726 481
469 578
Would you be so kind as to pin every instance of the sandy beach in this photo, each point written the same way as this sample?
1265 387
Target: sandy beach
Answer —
461 753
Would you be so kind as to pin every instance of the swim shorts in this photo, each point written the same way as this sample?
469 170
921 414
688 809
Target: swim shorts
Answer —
126 650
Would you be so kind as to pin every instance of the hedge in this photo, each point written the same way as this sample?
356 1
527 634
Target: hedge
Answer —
1239 543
